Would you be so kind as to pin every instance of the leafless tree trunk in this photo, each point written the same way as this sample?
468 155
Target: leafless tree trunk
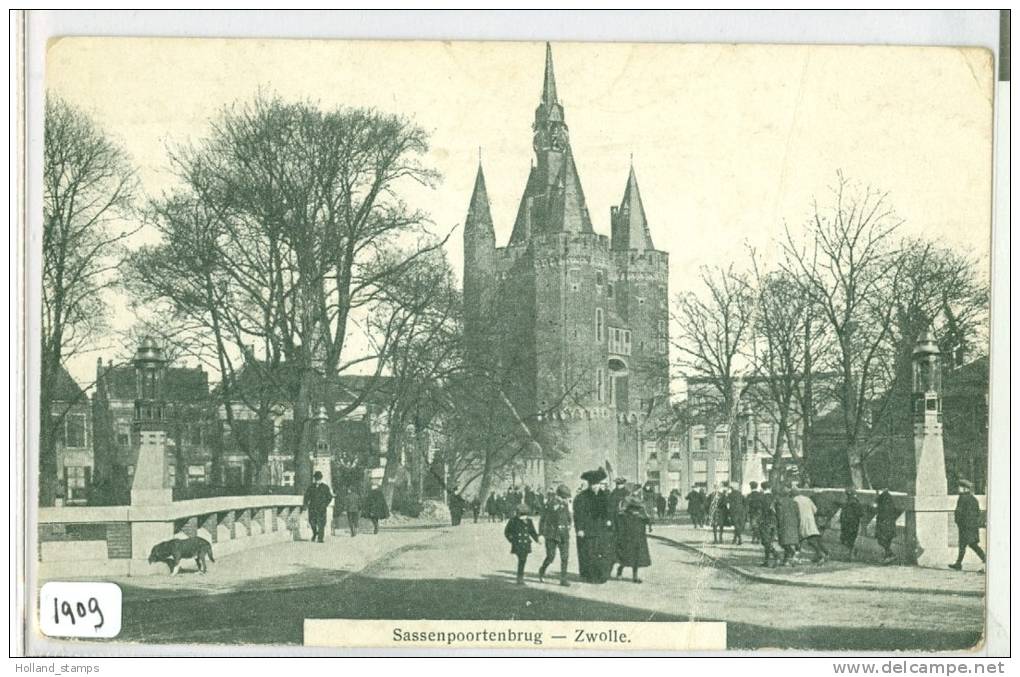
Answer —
89 189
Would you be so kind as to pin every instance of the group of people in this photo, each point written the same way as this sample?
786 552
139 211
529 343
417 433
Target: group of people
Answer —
351 501
794 519
610 529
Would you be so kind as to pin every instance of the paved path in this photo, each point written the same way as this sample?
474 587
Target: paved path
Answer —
838 572
466 573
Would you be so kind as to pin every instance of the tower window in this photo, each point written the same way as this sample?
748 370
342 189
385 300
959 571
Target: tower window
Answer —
600 375
641 300
574 277
609 290
600 278
598 325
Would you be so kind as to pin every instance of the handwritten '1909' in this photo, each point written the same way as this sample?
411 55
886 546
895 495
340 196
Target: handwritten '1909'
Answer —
77 611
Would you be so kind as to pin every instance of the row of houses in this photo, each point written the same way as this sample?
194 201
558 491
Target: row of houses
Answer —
211 449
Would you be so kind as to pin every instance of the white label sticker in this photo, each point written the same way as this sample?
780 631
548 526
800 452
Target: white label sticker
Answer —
80 609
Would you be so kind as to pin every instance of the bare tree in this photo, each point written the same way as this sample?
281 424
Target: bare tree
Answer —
289 224
714 331
89 190
787 337
850 269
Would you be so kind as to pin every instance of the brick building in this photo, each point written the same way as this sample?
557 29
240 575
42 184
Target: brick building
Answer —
72 423
576 321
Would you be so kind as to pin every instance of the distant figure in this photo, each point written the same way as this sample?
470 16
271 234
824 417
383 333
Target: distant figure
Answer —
737 510
554 527
317 498
352 505
457 505
968 524
375 507
696 506
767 527
672 502
717 513
809 533
850 516
788 518
885 523
660 505
492 508
755 501
520 531
476 509
632 524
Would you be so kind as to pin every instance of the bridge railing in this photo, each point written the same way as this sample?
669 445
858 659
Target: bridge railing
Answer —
116 540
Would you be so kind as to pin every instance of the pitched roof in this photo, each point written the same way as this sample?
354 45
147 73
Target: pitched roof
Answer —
282 384
181 384
553 205
66 389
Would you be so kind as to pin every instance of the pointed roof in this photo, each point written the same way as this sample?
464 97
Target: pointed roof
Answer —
631 228
549 84
478 210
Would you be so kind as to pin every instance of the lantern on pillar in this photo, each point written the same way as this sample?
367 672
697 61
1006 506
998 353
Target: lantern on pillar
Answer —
927 381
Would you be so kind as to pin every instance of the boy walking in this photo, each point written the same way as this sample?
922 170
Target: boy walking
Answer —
520 531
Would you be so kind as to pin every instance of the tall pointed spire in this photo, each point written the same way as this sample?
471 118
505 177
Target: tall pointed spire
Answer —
630 226
479 213
549 85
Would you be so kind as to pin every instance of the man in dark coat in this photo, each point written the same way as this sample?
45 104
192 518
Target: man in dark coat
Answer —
851 513
594 527
492 507
968 524
375 507
886 514
554 528
317 498
737 510
788 523
696 506
672 501
755 504
352 506
632 523
520 531
767 527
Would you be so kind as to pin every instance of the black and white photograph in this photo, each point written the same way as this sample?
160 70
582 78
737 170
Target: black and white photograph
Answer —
546 344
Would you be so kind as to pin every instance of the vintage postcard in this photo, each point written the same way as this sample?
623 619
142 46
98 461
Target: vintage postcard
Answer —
535 346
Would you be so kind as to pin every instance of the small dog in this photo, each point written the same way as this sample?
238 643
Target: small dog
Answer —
177 549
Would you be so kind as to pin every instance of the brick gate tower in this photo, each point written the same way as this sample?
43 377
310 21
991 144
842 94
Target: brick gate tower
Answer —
575 319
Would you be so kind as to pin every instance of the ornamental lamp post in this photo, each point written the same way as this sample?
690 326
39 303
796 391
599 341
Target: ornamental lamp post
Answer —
927 522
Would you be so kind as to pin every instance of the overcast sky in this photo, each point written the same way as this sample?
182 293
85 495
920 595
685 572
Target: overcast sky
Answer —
728 142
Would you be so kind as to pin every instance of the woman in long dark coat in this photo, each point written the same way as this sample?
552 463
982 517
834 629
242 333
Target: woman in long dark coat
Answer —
631 537
850 515
886 514
594 528
375 508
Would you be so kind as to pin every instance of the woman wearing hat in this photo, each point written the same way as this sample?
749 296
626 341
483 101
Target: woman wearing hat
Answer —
632 524
520 531
594 527
851 513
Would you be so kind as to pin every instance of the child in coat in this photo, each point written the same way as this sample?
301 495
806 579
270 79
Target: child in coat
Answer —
520 531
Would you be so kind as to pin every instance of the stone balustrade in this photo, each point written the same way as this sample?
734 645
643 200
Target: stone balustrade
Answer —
104 541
